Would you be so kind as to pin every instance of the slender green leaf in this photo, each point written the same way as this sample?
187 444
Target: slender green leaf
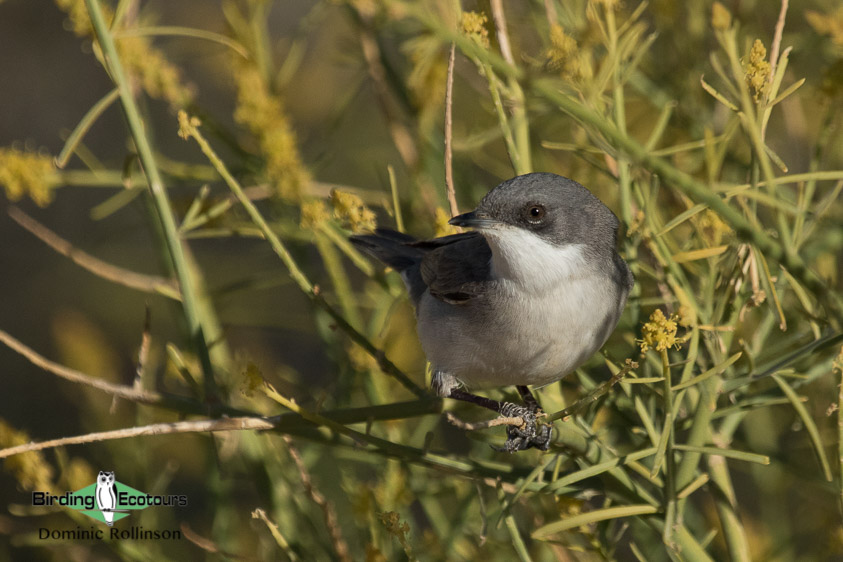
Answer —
604 514
808 421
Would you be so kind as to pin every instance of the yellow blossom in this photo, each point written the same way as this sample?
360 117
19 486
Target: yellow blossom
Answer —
252 380
314 213
392 522
262 112
349 207
187 124
31 469
565 56
712 227
159 78
721 19
659 333
441 223
828 24
473 25
25 172
837 363
758 70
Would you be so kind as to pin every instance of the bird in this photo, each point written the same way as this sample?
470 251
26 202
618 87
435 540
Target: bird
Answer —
523 299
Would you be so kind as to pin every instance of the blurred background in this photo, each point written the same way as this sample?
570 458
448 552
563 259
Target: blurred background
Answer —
311 106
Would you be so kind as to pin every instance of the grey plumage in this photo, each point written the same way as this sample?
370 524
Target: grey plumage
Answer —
527 297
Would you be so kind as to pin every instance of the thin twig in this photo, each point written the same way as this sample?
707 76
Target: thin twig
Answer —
469 426
500 29
109 272
189 127
192 426
208 545
197 320
774 54
777 40
550 12
401 136
72 375
521 159
449 121
282 542
594 395
331 521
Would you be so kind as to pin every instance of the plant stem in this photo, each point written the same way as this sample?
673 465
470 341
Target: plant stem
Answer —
669 460
189 127
187 280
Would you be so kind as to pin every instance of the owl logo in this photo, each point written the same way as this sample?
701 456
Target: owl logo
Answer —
106 495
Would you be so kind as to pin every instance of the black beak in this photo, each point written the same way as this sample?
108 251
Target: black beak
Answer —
473 219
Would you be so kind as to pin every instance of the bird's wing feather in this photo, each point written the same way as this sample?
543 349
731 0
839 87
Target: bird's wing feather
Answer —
456 269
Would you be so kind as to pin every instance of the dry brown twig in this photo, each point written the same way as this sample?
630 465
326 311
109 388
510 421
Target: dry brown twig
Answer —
449 121
195 426
331 521
469 426
72 375
107 271
777 40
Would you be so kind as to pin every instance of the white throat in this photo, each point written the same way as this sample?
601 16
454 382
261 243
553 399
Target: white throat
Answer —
525 258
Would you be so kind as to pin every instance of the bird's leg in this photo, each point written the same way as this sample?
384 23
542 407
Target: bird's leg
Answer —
527 396
519 438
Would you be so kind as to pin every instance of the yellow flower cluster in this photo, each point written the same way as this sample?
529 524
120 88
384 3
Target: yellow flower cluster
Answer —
349 207
758 70
713 228
659 333
721 19
25 172
564 55
31 469
837 363
392 522
441 219
262 112
252 380
828 24
473 25
313 213
159 78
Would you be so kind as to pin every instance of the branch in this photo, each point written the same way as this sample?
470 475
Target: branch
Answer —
198 426
468 426
107 271
449 155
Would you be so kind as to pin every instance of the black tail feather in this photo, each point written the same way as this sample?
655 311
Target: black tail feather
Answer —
389 247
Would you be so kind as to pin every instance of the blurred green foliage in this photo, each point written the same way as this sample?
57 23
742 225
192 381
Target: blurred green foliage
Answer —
712 129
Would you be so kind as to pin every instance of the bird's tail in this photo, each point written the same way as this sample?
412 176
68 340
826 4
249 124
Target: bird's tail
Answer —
389 247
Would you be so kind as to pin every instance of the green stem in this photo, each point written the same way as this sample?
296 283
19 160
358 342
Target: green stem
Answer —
696 190
186 278
669 459
188 127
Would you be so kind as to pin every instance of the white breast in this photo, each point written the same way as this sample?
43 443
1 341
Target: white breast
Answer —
549 314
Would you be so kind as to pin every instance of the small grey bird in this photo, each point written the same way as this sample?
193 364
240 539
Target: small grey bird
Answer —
524 299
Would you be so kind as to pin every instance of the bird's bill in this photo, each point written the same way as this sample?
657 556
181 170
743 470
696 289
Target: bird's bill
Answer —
473 219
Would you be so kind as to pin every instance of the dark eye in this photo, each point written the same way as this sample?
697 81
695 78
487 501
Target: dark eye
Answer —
535 213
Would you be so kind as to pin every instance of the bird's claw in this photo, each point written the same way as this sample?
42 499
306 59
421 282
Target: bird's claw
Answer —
529 434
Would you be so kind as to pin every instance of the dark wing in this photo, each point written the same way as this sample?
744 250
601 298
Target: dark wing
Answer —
392 248
456 268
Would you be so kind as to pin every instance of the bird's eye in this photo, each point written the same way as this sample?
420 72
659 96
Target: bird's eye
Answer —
535 213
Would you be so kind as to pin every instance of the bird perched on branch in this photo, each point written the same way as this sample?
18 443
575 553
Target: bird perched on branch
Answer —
524 299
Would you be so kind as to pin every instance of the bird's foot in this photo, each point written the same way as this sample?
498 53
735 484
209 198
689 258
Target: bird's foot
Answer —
530 433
